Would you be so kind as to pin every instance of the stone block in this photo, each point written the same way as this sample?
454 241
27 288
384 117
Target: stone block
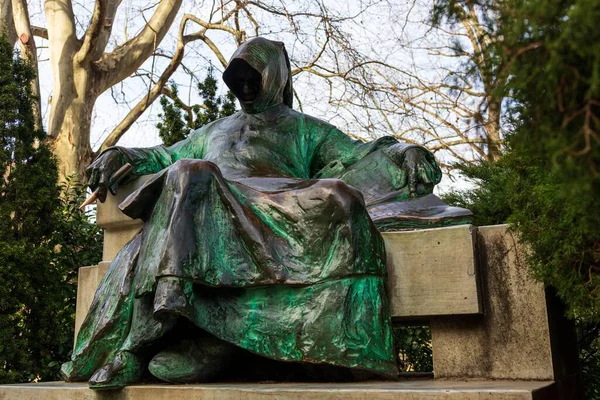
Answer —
432 272
87 282
108 214
117 237
512 339
118 228
408 390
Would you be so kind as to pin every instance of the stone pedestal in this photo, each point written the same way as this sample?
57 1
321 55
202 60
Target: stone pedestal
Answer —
118 228
432 272
512 339
416 390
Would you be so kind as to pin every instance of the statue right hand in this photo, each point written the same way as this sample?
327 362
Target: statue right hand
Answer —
101 170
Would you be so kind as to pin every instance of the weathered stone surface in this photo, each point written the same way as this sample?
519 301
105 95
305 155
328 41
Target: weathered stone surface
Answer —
108 214
409 390
118 228
512 339
115 239
432 272
87 283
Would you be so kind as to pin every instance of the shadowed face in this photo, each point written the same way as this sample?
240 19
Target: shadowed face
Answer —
259 75
246 81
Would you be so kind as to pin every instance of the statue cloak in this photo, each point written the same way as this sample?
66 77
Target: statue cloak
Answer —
242 239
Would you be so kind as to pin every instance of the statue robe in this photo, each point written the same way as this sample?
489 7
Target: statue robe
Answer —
242 239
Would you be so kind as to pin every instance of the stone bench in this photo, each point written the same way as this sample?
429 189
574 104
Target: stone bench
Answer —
491 323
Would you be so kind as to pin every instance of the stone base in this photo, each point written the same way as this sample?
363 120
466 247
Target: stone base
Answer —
406 390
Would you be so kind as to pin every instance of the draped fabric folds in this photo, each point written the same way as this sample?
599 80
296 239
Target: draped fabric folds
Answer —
257 230
295 273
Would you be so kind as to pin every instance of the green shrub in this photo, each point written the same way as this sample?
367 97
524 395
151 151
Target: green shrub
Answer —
43 238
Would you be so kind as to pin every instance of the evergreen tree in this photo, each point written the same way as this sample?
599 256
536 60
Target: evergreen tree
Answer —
37 256
549 175
547 183
173 127
178 120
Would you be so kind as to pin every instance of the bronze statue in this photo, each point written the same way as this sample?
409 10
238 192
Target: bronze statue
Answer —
259 241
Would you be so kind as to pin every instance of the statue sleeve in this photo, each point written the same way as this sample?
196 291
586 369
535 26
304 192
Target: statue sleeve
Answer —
145 160
150 160
338 151
375 168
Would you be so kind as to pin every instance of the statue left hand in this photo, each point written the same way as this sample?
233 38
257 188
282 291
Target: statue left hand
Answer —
418 170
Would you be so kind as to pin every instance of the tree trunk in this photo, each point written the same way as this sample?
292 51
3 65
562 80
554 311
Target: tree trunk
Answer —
72 142
70 120
493 130
29 53
7 25
81 70
73 98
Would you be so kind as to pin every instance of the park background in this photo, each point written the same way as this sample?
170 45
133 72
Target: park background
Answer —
505 93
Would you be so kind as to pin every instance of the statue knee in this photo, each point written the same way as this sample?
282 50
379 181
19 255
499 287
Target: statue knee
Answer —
189 165
344 195
188 171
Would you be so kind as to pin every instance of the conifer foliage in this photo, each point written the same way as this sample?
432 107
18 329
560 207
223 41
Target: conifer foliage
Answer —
547 182
43 238
178 119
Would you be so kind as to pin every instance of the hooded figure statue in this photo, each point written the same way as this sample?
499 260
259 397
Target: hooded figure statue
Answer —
259 244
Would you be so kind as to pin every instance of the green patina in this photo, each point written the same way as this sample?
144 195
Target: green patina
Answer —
245 240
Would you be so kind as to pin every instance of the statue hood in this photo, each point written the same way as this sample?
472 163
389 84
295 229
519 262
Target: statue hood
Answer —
268 58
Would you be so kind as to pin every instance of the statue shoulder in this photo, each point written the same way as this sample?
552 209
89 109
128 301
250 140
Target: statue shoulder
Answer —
313 126
217 124
194 146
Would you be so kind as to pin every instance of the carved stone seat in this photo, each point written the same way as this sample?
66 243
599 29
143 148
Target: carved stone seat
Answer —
496 332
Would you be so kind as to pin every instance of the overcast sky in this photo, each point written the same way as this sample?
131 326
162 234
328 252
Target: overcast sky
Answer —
391 31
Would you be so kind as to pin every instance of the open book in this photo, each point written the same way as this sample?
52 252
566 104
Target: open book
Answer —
423 212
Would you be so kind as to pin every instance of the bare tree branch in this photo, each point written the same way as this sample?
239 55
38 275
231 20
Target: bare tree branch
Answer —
157 89
92 34
201 35
106 28
126 59
240 35
39 32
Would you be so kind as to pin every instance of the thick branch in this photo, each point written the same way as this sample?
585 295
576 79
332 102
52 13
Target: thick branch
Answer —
127 58
92 34
62 45
61 25
39 32
28 52
106 29
156 90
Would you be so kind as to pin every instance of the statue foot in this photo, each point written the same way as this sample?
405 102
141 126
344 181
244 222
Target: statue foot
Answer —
66 371
123 370
192 361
